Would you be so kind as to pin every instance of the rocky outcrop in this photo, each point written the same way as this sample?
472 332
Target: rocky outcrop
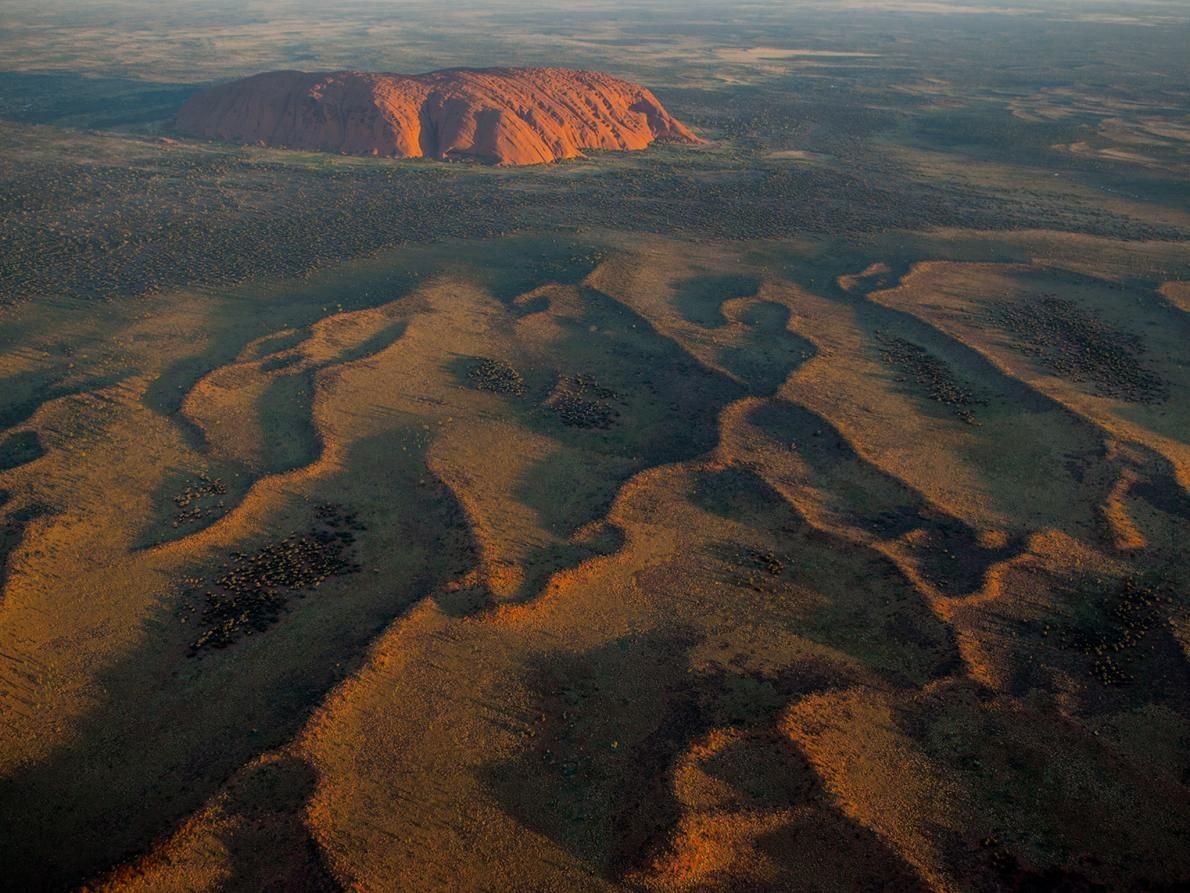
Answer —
501 116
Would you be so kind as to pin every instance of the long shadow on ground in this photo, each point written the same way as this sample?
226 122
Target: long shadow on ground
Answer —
172 728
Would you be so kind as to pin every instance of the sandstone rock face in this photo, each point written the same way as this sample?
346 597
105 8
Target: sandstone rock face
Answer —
502 116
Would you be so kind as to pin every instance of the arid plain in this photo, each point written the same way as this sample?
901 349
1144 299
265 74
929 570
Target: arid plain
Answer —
807 509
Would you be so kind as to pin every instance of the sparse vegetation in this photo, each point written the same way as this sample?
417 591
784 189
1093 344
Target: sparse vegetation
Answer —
679 571
581 402
199 499
254 590
496 376
933 375
1116 619
1079 346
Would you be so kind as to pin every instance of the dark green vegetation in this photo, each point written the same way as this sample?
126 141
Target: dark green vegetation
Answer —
1114 623
93 214
250 595
581 402
1072 343
199 499
496 376
933 375
185 215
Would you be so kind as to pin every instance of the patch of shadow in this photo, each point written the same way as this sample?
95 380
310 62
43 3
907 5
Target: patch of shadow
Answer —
516 269
894 522
580 401
950 556
188 501
845 854
1008 873
1022 800
92 102
868 609
1079 346
700 299
167 392
185 726
567 781
254 591
1111 622
463 596
543 562
668 403
604 538
280 342
12 533
271 847
571 500
272 364
1163 492
42 389
1078 463
527 305
577 774
946 550
769 353
20 448
735 492
823 275
387 336
285 410
933 376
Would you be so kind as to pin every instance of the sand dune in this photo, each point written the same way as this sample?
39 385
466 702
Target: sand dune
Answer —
788 490
656 564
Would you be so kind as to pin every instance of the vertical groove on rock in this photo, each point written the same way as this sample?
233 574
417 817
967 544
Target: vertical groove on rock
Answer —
489 115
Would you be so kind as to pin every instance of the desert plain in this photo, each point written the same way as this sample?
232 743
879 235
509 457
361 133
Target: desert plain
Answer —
802 509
